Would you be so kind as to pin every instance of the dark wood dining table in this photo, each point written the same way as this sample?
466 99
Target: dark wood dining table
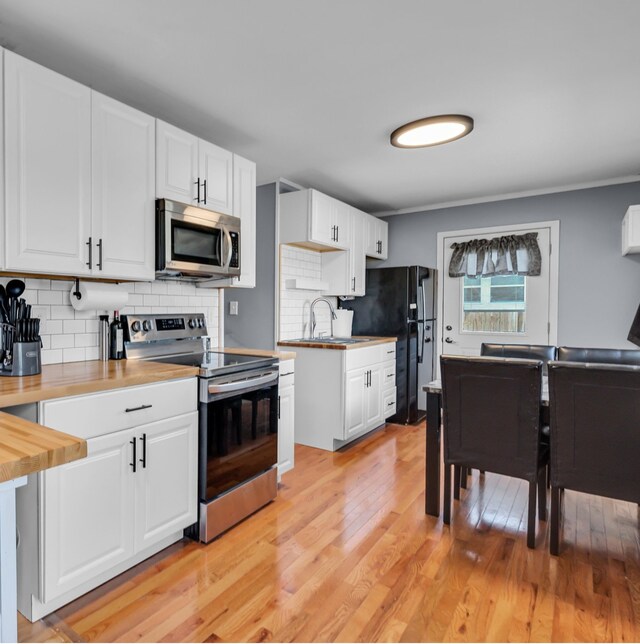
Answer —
434 440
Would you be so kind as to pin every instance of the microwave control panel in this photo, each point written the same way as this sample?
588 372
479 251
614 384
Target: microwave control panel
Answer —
235 251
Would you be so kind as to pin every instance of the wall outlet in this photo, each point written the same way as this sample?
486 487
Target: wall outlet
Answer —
233 308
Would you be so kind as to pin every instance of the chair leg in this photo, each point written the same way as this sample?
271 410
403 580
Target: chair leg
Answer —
464 473
542 494
531 519
446 501
457 473
554 528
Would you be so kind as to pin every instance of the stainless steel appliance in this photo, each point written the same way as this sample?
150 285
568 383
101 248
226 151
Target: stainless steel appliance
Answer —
194 243
238 408
401 302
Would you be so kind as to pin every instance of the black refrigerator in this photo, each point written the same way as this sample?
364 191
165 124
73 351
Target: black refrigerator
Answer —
401 302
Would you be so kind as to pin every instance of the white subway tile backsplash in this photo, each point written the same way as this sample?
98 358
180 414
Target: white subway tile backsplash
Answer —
69 335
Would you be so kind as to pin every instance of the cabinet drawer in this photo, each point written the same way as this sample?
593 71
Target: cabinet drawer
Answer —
286 380
97 414
287 367
389 403
389 377
388 352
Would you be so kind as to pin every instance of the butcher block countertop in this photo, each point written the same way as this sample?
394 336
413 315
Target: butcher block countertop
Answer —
263 353
317 343
26 447
75 378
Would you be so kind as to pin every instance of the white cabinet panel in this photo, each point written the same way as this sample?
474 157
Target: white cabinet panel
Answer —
167 478
377 232
48 169
88 520
373 411
355 407
244 207
176 164
286 424
3 242
123 195
215 170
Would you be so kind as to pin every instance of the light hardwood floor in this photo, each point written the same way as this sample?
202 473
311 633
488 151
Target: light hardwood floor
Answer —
346 553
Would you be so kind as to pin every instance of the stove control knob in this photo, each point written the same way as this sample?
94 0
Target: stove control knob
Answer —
200 323
192 324
146 325
135 326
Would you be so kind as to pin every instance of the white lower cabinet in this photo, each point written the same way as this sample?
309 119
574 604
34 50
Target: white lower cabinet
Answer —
342 395
87 521
166 479
87 514
286 417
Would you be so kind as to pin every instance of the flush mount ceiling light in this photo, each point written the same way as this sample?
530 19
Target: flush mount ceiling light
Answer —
432 130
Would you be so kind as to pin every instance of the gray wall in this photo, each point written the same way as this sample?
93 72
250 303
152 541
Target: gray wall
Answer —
599 290
254 326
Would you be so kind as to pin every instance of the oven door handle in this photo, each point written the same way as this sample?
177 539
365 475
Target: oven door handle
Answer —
243 384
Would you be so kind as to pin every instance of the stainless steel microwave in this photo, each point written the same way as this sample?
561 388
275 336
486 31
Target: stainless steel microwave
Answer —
194 243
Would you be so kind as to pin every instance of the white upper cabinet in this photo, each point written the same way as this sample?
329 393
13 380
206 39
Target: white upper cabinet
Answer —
123 190
377 238
244 207
193 171
345 271
631 231
177 164
2 228
311 219
48 170
216 177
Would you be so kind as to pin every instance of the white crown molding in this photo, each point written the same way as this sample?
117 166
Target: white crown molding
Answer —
510 195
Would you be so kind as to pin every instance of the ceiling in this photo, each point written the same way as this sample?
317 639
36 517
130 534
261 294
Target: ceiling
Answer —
312 90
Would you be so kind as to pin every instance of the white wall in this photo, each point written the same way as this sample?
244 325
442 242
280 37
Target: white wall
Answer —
295 304
71 336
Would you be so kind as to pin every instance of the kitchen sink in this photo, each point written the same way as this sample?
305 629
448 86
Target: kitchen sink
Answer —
332 340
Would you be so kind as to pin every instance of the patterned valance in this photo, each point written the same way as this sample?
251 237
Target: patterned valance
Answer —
508 255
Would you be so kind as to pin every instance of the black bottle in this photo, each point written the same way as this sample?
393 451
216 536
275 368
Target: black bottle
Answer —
116 338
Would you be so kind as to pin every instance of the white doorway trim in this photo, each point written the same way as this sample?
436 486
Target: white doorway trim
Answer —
554 257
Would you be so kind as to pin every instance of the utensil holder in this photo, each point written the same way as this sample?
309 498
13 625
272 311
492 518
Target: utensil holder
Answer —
26 360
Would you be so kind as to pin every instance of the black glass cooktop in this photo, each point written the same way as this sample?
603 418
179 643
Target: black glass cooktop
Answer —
214 362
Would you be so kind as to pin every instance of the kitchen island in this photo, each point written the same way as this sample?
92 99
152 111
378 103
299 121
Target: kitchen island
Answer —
25 447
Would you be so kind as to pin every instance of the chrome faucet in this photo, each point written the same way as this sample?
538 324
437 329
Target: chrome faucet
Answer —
313 315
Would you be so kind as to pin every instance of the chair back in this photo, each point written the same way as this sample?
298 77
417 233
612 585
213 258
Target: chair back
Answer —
491 414
599 356
595 428
542 352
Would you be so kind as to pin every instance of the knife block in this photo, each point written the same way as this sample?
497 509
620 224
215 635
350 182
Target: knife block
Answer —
26 360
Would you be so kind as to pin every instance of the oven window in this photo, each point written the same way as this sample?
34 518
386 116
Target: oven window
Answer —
197 244
241 440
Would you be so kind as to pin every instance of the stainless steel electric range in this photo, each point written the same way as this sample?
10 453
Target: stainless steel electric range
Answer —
238 409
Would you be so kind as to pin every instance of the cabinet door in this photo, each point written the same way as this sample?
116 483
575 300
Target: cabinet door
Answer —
176 164
383 233
357 258
355 402
166 483
244 206
87 508
323 219
123 181
47 169
286 442
2 220
215 169
373 405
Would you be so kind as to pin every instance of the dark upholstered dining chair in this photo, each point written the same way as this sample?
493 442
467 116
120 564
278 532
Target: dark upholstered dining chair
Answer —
542 352
491 421
595 433
600 356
